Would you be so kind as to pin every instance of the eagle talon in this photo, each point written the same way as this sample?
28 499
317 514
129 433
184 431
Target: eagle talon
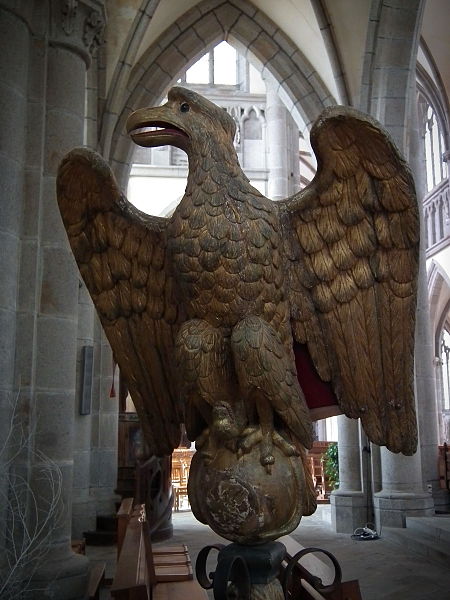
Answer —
250 437
286 448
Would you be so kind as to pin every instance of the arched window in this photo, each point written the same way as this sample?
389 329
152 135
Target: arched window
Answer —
218 67
436 168
232 82
445 362
433 119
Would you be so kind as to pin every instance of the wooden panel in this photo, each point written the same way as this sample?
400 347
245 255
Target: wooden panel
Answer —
123 516
131 580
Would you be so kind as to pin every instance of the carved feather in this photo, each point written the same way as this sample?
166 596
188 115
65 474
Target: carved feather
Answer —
366 309
121 256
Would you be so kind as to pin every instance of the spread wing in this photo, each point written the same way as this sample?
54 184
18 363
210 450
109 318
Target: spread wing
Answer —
121 254
353 262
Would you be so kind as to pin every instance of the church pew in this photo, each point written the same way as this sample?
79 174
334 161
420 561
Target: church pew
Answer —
144 573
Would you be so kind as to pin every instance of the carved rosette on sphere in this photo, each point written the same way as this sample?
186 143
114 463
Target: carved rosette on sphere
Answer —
236 313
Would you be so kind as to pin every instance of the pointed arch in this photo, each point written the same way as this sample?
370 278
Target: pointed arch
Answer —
127 57
388 73
246 28
439 298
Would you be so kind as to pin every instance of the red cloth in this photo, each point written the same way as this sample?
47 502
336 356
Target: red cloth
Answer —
318 393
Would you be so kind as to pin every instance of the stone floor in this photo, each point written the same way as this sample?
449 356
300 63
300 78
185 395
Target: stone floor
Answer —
385 571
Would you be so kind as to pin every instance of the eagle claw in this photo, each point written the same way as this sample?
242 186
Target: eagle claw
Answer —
251 436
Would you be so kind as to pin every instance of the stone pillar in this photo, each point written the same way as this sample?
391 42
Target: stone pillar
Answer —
15 44
105 421
375 455
83 506
426 388
388 93
63 574
402 494
56 333
277 150
348 502
404 478
14 60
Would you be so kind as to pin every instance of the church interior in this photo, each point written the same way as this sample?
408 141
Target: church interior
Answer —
71 447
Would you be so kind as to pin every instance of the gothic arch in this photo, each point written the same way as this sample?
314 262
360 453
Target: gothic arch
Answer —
194 33
439 298
433 89
390 56
127 57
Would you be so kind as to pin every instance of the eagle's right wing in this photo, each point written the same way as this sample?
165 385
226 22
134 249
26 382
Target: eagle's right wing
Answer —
121 254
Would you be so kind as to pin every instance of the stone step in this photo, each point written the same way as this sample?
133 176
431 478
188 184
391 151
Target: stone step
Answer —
107 523
437 528
100 538
425 542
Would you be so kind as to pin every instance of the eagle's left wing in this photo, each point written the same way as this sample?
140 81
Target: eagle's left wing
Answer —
352 244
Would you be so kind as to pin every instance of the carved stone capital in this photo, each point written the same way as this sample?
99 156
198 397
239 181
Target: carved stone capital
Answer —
78 25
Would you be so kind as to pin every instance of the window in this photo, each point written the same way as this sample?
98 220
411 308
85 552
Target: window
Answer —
436 168
445 357
217 67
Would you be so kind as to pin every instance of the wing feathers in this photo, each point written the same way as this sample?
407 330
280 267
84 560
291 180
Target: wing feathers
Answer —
354 238
121 256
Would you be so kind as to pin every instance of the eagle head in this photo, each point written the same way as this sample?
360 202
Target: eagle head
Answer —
187 120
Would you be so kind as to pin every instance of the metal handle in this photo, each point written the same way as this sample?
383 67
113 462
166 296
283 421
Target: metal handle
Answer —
200 565
230 570
315 581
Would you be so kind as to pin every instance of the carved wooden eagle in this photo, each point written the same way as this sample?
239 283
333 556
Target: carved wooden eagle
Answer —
227 314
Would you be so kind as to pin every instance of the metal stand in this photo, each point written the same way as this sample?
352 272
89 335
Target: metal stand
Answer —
253 573
243 572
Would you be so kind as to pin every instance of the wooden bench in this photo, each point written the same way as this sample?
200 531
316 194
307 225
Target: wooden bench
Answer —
96 580
304 575
143 572
96 573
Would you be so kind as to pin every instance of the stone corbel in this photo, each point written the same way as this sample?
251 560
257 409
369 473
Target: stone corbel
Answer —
78 25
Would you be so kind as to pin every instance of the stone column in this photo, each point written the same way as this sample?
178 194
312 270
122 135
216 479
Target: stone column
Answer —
15 43
388 93
105 423
277 150
83 506
402 493
404 477
71 25
426 388
348 502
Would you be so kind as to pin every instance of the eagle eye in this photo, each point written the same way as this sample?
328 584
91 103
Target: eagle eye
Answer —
184 107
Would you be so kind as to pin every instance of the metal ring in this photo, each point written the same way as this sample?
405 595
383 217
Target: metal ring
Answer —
233 569
200 565
315 581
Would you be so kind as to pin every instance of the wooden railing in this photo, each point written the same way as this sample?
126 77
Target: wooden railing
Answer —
436 208
444 466
305 576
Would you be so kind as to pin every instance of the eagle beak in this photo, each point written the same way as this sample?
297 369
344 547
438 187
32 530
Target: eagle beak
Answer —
151 127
